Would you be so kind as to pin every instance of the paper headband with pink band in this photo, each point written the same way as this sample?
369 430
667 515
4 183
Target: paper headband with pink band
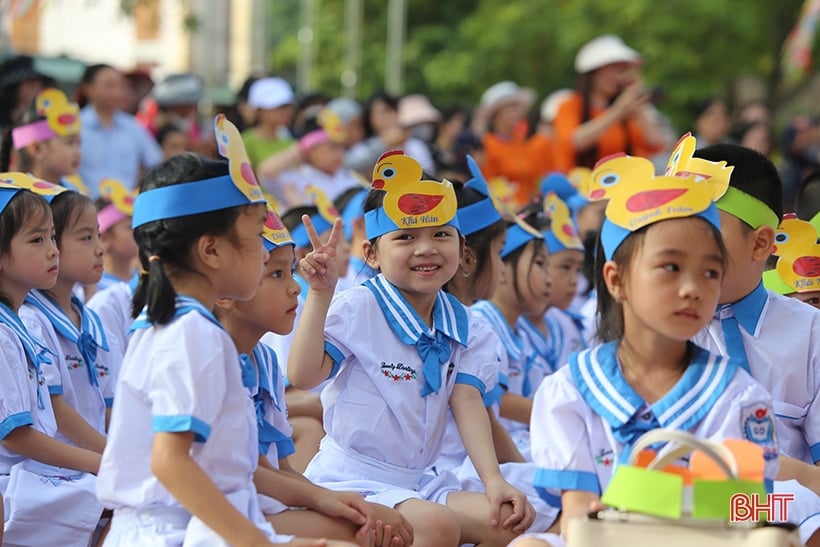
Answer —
121 206
62 119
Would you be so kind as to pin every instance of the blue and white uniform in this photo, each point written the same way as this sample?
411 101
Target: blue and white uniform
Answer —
385 408
113 307
173 382
44 505
566 334
777 340
586 417
265 383
81 365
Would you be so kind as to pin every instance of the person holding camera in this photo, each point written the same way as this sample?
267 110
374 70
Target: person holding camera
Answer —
610 111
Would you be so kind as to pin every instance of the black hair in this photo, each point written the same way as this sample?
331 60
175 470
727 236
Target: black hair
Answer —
808 200
536 218
24 161
67 208
610 313
382 96
167 129
165 245
292 218
341 202
22 206
89 75
753 173
701 106
479 242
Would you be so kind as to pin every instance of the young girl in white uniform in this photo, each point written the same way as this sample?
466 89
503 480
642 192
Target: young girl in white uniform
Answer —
47 484
656 290
70 330
340 515
524 289
183 445
396 350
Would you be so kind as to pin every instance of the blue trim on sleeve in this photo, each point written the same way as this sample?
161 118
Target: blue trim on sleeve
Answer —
815 452
547 496
287 382
493 396
55 390
567 480
109 402
337 356
503 381
285 448
470 380
180 424
14 421
769 484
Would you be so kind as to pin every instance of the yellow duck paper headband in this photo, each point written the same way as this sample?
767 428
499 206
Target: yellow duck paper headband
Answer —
798 250
409 201
121 204
62 119
562 233
323 219
638 198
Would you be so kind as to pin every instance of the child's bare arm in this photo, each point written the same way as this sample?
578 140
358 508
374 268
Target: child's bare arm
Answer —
575 504
38 446
515 407
308 364
74 426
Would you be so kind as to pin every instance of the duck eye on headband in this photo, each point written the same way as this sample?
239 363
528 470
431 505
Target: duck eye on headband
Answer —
477 216
45 189
750 210
798 252
62 119
638 198
326 214
562 234
409 201
238 187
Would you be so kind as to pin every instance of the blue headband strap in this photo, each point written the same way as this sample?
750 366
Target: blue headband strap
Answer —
516 237
353 210
300 235
477 216
613 235
188 198
6 194
377 223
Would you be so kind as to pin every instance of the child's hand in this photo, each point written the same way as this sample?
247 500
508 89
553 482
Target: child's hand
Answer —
349 506
499 492
392 530
319 267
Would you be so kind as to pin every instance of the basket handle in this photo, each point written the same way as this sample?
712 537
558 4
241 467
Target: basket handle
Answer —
685 443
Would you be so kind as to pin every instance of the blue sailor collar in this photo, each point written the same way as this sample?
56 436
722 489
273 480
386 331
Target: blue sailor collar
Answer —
749 310
599 378
89 321
267 364
183 305
538 341
449 315
36 352
510 339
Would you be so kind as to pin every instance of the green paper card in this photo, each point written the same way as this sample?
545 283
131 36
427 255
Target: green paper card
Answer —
711 499
643 491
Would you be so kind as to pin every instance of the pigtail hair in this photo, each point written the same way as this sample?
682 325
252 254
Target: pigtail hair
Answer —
610 315
160 296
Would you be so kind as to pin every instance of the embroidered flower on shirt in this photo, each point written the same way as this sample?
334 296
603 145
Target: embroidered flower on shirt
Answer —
398 372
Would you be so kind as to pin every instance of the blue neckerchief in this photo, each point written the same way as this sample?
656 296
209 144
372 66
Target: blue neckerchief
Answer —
510 339
538 341
184 304
36 352
88 338
266 380
599 378
745 313
450 323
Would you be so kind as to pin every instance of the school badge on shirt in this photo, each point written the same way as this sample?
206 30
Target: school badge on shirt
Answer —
757 423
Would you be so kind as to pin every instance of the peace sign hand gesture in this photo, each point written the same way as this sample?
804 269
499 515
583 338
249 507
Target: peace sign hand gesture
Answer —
319 267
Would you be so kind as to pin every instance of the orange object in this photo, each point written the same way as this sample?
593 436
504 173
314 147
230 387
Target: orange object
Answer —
521 161
748 455
616 139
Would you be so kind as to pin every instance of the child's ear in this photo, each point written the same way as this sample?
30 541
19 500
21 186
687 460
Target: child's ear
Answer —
370 255
468 262
208 250
763 242
614 279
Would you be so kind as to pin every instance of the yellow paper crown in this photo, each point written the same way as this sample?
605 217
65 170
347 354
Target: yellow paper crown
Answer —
796 245
62 115
275 233
638 198
409 201
682 164
562 227
120 197
322 202
332 124
40 187
230 146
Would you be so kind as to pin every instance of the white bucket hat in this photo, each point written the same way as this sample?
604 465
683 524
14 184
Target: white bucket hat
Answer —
504 93
602 51
269 93
549 108
416 109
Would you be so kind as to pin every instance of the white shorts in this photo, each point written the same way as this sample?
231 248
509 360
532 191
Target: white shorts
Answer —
378 482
